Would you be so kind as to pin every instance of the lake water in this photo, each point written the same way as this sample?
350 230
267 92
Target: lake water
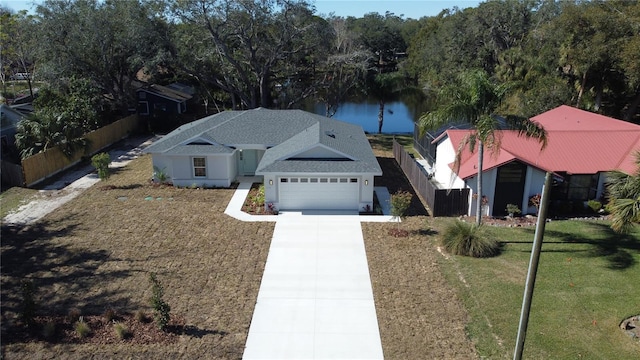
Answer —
398 119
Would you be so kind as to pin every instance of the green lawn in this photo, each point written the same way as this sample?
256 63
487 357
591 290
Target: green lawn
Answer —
12 198
588 282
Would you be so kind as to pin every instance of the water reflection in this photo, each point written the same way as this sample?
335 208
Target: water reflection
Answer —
398 118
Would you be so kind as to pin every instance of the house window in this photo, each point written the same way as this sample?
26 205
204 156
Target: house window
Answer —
314 180
353 180
284 180
304 180
333 180
294 180
343 180
323 180
576 187
199 167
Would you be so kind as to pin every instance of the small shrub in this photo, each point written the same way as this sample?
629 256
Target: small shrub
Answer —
74 315
28 306
160 174
160 307
121 331
82 328
512 209
594 205
460 238
109 315
400 202
101 163
49 330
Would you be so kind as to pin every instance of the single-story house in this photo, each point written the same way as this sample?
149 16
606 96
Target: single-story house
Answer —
169 99
581 148
306 161
9 119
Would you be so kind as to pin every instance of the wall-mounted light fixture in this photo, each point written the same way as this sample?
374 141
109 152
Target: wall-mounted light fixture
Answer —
270 182
366 182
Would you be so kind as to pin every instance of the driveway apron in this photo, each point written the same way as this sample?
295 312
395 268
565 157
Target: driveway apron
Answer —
315 299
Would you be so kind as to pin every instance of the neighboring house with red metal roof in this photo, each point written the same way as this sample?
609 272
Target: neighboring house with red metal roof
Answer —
581 148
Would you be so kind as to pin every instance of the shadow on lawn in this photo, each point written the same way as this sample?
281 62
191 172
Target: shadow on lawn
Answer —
63 277
616 248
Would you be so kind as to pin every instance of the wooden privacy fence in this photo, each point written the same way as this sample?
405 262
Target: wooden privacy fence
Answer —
441 202
42 165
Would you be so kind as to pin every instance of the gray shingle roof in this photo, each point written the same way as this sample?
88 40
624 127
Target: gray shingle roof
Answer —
287 132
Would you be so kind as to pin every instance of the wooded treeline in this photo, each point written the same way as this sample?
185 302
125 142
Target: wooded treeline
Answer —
244 54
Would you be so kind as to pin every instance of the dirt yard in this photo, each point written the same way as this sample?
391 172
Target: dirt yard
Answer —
96 252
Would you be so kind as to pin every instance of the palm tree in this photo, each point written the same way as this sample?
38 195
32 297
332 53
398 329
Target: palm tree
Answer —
624 198
474 100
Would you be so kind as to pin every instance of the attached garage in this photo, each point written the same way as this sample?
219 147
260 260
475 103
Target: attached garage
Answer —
322 193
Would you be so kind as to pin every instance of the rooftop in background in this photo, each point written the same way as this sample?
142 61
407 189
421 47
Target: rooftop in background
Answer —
579 142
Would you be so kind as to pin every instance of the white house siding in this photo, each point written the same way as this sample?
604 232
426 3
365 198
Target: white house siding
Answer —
444 176
348 196
533 186
488 189
180 170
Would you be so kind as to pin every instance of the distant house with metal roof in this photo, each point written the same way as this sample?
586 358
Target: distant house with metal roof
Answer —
581 148
306 161
171 99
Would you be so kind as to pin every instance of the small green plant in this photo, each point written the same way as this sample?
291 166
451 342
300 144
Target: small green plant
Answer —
460 238
512 210
28 306
400 202
535 201
82 328
594 205
160 307
49 330
101 163
160 174
121 331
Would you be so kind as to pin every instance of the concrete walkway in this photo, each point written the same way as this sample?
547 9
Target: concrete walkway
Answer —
315 299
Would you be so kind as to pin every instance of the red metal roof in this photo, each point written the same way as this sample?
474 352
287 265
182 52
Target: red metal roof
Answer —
578 142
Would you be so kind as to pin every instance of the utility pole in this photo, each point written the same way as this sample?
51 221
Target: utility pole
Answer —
533 268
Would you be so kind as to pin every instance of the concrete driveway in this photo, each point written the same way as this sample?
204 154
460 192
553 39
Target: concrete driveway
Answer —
315 299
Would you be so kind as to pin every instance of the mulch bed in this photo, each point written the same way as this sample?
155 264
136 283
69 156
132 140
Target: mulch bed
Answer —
60 329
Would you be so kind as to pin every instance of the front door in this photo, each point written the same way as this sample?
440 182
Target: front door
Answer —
248 162
509 187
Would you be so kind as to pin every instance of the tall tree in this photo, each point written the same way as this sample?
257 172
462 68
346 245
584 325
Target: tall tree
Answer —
108 42
474 100
18 45
258 45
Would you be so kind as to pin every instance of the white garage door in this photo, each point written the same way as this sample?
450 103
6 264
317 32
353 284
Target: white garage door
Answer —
335 193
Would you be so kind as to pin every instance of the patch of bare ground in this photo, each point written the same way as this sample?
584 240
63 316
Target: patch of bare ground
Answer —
96 252
419 314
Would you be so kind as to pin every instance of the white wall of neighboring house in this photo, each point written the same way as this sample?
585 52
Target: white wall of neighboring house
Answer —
533 185
219 170
444 176
488 189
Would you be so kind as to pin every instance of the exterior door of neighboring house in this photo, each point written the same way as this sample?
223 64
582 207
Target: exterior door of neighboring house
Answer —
509 187
248 162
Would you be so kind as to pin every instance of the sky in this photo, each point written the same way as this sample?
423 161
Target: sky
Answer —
409 8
